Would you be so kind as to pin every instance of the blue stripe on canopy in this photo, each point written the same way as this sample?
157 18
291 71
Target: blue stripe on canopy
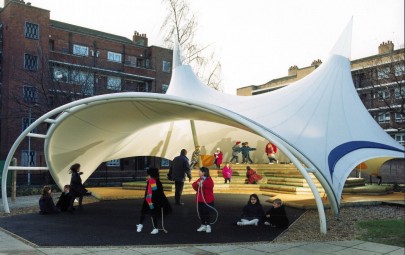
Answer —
340 151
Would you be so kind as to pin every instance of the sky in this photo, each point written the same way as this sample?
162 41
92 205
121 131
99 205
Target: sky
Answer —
255 40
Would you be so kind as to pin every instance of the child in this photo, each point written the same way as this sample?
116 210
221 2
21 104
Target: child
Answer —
195 157
271 150
46 204
235 152
227 172
252 176
276 216
155 202
218 158
205 198
64 199
252 212
246 153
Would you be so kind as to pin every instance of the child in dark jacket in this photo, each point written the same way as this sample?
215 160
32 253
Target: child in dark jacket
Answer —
46 204
245 149
252 212
64 199
155 202
276 216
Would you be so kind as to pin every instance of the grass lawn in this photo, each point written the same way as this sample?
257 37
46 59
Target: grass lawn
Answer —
391 232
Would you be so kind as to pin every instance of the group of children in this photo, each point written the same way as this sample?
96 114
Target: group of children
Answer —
156 204
70 192
244 149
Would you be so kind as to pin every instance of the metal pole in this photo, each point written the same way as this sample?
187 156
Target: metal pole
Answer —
14 181
29 149
195 139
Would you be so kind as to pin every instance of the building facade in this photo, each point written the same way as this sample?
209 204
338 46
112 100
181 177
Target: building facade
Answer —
379 80
46 63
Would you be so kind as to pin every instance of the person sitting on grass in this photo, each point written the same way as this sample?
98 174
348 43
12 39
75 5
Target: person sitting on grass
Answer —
252 213
276 216
46 204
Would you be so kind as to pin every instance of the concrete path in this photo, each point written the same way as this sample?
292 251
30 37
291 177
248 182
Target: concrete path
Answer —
12 245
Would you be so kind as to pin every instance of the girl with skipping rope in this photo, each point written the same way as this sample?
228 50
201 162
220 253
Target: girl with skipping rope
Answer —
205 198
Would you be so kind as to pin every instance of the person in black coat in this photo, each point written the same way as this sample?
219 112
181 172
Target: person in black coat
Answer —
77 188
276 216
46 204
155 202
252 213
177 172
64 199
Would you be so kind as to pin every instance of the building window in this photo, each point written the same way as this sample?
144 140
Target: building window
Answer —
147 63
399 69
80 50
30 94
383 72
115 162
51 45
164 88
30 62
399 93
60 74
400 137
85 80
114 83
26 122
167 66
399 117
31 30
141 86
113 56
384 117
28 158
383 94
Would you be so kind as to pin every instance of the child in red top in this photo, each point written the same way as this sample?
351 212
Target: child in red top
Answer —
205 198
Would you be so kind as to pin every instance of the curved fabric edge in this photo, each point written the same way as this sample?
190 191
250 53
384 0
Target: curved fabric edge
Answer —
340 151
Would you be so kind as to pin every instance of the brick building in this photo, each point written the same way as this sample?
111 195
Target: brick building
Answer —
46 63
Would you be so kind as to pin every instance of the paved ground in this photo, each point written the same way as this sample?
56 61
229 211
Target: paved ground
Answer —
13 245
114 223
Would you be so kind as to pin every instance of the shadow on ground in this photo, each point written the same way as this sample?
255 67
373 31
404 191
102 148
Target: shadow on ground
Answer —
114 223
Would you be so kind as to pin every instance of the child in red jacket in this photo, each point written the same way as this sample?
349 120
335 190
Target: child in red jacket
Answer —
205 198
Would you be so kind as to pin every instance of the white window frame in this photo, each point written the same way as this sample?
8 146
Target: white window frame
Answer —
36 35
27 91
114 56
27 160
384 117
114 83
166 66
398 94
80 50
398 117
165 87
400 138
60 74
114 162
399 69
383 72
383 94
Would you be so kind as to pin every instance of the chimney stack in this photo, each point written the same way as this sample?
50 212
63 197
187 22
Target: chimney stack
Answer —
140 39
385 47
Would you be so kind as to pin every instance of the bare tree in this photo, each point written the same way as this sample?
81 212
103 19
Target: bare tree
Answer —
381 86
181 24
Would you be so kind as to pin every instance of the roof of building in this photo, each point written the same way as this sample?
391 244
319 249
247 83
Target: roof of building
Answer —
88 31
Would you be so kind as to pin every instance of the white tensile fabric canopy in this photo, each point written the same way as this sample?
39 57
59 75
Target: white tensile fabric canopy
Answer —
318 122
320 119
